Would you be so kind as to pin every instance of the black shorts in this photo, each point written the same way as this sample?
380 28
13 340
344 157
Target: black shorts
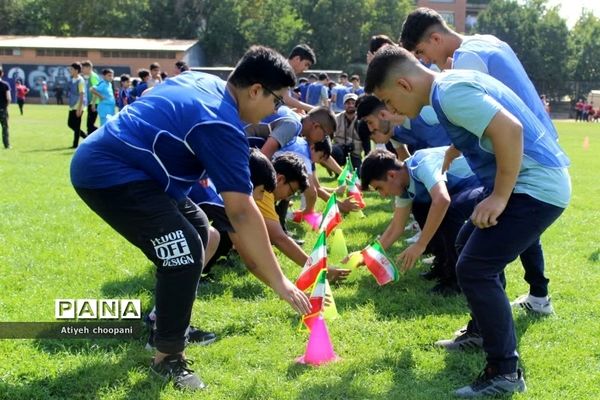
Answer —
218 217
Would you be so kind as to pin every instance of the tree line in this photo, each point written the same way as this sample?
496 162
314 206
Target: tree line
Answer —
338 30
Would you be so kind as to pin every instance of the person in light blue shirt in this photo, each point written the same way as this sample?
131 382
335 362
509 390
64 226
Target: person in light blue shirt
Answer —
105 92
440 202
137 170
526 188
427 35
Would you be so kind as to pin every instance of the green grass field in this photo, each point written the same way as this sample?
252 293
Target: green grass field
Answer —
52 246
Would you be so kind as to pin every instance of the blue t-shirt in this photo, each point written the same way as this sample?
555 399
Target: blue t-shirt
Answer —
303 91
490 55
360 91
301 148
205 192
425 171
315 92
106 91
466 101
183 128
123 94
422 132
340 91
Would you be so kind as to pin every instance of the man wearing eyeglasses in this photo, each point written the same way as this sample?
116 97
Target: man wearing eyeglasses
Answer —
137 170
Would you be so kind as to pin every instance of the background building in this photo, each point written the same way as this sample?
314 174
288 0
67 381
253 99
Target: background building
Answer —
453 11
35 59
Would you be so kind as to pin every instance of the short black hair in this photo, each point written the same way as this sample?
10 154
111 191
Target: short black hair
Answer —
304 52
324 117
376 165
292 168
367 105
87 63
261 170
323 146
264 66
313 76
76 66
384 60
124 78
302 80
154 65
106 71
378 41
182 66
323 76
355 78
417 24
344 75
143 73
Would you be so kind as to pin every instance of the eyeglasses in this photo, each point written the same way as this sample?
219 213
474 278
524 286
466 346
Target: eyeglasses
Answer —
278 99
292 190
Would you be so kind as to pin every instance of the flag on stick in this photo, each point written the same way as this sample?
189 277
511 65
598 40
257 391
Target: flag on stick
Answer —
316 262
379 264
331 216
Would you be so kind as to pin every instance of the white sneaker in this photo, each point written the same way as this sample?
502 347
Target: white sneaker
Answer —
428 260
539 305
413 239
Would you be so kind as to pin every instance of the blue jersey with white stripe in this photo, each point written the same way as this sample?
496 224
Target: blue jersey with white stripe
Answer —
175 133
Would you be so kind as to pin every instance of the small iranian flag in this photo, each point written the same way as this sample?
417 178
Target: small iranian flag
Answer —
316 262
331 216
317 298
379 264
354 192
346 173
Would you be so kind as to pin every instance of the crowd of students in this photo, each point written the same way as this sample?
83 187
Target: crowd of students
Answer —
470 151
585 112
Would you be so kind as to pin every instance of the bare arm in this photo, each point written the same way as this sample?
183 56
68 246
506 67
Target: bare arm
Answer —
331 164
310 194
270 147
440 201
8 97
402 152
285 243
396 227
249 225
506 134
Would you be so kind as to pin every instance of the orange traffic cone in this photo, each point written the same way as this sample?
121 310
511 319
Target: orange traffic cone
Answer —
319 349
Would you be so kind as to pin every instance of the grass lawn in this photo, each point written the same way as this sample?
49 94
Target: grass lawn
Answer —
52 246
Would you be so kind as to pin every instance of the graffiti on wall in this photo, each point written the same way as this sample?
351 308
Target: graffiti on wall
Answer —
54 76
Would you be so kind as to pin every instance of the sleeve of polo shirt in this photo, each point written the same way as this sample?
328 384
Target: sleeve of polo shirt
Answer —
224 152
284 130
401 202
469 106
429 172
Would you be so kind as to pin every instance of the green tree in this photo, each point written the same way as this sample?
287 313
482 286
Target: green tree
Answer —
585 54
538 35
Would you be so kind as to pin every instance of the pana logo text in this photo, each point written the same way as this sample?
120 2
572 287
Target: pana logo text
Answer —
97 309
172 249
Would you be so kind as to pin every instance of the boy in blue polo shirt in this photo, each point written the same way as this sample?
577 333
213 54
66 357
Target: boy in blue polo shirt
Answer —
447 199
137 170
104 91
522 169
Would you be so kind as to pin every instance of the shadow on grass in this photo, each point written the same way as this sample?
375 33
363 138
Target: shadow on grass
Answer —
66 149
595 256
93 377
130 286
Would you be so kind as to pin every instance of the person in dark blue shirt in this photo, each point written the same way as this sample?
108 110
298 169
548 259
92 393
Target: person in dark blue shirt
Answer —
138 169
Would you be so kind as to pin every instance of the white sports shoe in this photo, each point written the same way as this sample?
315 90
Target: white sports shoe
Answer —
539 305
413 239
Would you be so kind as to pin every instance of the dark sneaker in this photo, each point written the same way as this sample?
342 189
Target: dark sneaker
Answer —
199 337
465 341
445 289
490 384
176 368
193 336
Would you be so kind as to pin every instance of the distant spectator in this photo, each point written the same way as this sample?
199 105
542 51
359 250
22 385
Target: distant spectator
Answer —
22 91
181 66
58 93
5 99
155 75
91 79
123 97
104 91
44 92
77 101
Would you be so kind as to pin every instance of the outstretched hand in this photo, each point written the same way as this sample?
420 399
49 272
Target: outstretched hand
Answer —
295 297
410 255
337 274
